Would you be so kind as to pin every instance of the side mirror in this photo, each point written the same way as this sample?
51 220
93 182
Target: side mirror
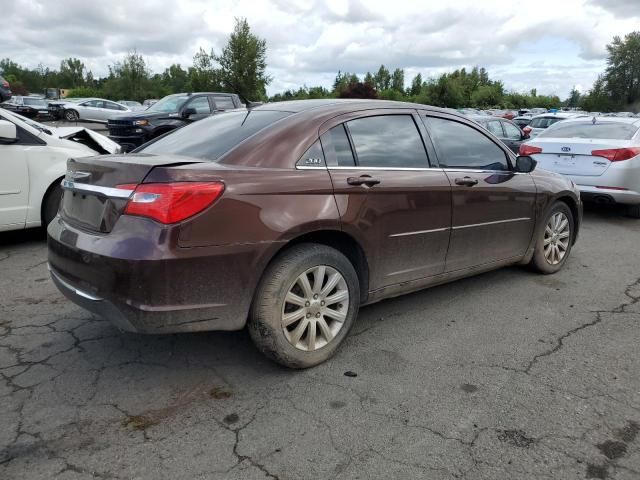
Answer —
187 112
525 165
8 132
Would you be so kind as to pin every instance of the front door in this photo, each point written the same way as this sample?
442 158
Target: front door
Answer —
201 106
493 207
388 196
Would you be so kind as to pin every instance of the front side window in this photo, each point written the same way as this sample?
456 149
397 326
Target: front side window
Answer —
224 103
391 141
200 105
512 132
337 148
461 146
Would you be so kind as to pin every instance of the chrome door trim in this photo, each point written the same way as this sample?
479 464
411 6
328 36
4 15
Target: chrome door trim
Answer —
358 167
419 232
496 222
106 191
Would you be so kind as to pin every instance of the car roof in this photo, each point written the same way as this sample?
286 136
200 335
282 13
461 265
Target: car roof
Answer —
559 115
346 104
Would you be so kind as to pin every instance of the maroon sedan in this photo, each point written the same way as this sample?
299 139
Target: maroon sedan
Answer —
289 217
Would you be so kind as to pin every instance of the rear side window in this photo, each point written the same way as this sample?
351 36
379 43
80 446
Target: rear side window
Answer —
391 141
495 128
337 148
544 122
313 157
603 131
214 136
511 131
460 146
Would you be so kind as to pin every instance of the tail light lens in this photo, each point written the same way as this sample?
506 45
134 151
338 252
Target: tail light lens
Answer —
526 150
617 154
171 202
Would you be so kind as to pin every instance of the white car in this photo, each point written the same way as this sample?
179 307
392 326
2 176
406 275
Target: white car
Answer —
539 123
34 161
600 154
91 109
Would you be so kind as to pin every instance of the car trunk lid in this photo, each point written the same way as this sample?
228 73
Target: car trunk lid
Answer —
97 189
574 156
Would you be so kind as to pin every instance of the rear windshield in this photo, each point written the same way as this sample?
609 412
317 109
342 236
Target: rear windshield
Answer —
608 130
212 137
544 122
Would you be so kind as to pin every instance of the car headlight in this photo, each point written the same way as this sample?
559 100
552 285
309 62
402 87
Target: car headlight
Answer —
141 123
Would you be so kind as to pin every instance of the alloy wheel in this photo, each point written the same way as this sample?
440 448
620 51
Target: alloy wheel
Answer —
315 308
557 234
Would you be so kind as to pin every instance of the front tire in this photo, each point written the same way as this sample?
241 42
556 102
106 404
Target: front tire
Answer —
633 211
304 305
71 116
555 240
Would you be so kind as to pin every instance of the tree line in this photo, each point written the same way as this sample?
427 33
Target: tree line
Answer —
241 68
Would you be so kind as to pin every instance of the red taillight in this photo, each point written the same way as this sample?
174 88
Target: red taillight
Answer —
527 130
617 154
526 150
171 202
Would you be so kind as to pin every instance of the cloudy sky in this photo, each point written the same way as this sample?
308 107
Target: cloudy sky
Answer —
549 44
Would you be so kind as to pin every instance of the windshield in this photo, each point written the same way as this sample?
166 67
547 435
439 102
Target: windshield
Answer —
600 131
212 137
544 122
170 104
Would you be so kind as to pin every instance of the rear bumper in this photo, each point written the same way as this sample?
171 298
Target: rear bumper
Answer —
145 283
607 195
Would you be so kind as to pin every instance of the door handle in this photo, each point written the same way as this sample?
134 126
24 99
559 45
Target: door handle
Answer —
466 181
366 180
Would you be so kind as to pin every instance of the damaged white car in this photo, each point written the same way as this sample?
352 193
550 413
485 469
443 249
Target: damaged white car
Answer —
33 161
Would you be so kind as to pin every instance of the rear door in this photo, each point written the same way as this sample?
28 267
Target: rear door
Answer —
388 194
493 207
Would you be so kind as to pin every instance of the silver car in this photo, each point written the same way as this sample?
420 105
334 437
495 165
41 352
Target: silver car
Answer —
92 110
601 155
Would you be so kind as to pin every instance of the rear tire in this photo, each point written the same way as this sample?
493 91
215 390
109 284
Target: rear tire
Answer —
633 211
71 116
299 323
51 205
555 240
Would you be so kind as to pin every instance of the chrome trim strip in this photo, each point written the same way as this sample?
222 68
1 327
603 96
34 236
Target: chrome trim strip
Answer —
106 191
387 169
460 227
75 290
471 170
419 232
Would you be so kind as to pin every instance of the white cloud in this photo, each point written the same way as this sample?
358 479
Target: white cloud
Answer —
310 40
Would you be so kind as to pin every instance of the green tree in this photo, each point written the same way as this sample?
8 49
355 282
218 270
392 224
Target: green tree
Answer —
487 96
574 98
397 80
382 79
175 78
72 72
203 76
622 75
416 85
243 63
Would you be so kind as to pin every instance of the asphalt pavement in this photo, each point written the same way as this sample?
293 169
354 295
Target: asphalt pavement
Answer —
507 375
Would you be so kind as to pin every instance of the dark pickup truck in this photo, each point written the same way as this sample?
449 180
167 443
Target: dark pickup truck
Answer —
170 113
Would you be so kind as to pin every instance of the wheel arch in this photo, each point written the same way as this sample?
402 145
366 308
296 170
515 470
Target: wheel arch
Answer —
341 241
43 201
